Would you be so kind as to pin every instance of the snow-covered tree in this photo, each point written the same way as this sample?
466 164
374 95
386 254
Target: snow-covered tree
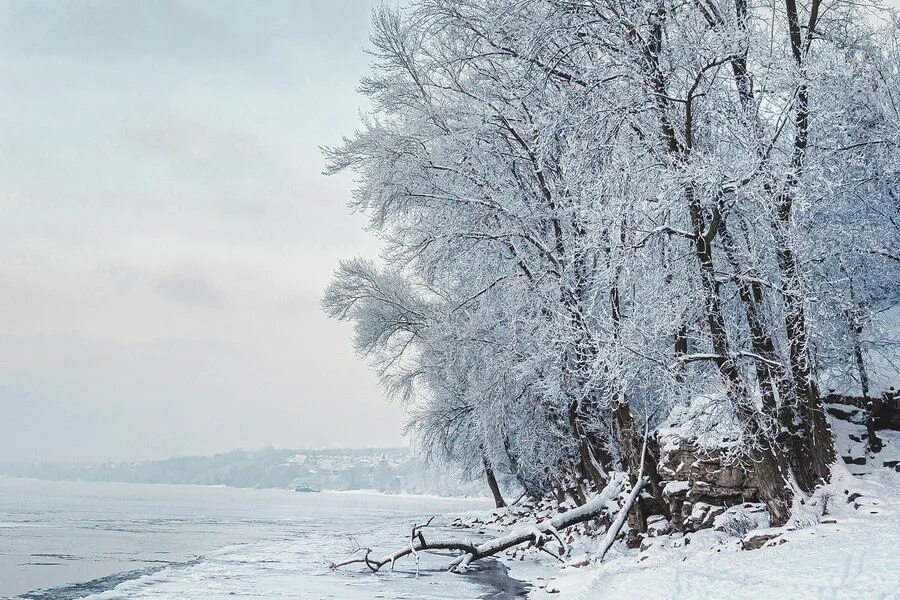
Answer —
596 210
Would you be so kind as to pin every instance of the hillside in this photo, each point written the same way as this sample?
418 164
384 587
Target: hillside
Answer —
389 470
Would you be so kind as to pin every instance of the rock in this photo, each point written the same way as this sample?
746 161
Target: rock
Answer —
755 541
584 562
658 525
633 538
730 477
846 413
738 521
673 488
703 516
856 410
692 477
687 509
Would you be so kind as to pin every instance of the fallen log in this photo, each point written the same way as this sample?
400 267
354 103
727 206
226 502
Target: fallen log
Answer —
469 552
616 525
640 481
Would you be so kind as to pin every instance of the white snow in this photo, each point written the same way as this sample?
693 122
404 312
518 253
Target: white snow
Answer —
853 553
708 421
857 556
676 487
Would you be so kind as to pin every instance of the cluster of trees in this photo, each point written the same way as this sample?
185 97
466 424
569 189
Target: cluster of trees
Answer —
594 211
391 470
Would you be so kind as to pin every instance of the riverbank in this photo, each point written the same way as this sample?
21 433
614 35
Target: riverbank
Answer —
850 553
114 541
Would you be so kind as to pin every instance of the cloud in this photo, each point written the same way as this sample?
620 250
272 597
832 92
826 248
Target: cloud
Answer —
157 344
195 145
167 231
191 291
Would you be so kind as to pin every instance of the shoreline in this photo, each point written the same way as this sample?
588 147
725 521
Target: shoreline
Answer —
351 492
68 540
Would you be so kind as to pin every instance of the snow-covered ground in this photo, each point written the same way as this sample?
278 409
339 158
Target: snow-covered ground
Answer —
853 553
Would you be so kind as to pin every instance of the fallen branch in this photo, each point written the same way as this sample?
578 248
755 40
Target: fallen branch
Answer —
616 526
469 553
639 484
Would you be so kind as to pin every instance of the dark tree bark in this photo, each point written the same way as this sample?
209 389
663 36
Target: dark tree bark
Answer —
531 489
631 440
769 373
768 461
589 463
812 441
499 502
641 464
874 406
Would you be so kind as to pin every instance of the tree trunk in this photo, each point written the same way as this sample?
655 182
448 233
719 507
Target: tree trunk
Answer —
770 374
530 488
499 502
773 489
774 485
589 463
873 405
631 440
854 323
813 443
768 463
639 464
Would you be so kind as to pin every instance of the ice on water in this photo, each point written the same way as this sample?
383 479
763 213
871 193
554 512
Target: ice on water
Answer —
150 541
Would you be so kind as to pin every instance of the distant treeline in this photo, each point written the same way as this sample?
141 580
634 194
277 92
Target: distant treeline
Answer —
391 470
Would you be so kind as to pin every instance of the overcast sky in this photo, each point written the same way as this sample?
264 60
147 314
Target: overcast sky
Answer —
166 232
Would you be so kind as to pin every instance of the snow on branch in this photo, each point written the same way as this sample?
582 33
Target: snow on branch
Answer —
469 552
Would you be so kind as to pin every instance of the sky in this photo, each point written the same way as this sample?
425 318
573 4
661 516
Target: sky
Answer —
166 231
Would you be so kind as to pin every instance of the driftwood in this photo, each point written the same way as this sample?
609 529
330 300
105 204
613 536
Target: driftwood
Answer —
639 483
469 552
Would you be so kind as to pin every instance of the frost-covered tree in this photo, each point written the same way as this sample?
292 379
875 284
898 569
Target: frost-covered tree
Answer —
596 210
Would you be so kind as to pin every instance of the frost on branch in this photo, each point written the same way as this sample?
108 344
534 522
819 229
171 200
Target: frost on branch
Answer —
595 213
538 533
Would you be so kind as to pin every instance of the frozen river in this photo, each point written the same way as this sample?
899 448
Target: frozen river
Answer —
65 540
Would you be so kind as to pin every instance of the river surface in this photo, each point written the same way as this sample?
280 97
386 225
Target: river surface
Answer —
67 540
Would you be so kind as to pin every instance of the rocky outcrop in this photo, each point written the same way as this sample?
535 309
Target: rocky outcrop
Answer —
699 484
884 410
864 428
